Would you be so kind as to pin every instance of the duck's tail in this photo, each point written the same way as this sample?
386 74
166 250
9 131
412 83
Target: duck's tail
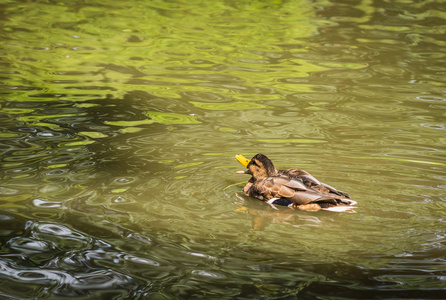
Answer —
344 205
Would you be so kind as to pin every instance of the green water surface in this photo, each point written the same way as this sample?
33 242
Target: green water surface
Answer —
119 122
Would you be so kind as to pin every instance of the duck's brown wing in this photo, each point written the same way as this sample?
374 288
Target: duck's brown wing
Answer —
335 191
275 187
292 190
297 174
315 184
311 182
324 201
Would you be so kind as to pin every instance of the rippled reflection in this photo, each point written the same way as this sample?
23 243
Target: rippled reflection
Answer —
119 123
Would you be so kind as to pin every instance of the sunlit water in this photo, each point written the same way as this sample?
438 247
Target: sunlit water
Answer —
120 122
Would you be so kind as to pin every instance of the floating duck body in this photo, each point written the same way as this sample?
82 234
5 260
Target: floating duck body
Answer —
291 187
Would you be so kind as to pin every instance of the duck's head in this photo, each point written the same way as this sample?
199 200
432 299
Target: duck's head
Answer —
259 166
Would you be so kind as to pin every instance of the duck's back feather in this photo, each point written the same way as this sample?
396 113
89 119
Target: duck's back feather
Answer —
292 190
310 182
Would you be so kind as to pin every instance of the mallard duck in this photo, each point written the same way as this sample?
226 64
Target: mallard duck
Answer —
291 187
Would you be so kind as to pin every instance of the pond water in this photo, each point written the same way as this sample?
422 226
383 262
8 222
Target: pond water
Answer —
120 122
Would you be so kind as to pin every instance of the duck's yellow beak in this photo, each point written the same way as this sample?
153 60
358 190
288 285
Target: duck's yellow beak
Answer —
244 161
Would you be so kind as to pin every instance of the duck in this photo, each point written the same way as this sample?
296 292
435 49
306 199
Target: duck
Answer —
293 187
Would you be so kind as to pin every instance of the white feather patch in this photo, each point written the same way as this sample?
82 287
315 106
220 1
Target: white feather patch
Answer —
270 202
339 208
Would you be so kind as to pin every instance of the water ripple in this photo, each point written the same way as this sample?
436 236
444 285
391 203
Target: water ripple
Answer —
118 133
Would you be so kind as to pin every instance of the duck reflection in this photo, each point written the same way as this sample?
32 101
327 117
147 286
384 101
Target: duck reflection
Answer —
264 215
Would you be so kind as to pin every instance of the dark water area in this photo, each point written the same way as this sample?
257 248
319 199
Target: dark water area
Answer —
119 122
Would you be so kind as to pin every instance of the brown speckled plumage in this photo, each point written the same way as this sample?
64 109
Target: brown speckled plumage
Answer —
299 187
